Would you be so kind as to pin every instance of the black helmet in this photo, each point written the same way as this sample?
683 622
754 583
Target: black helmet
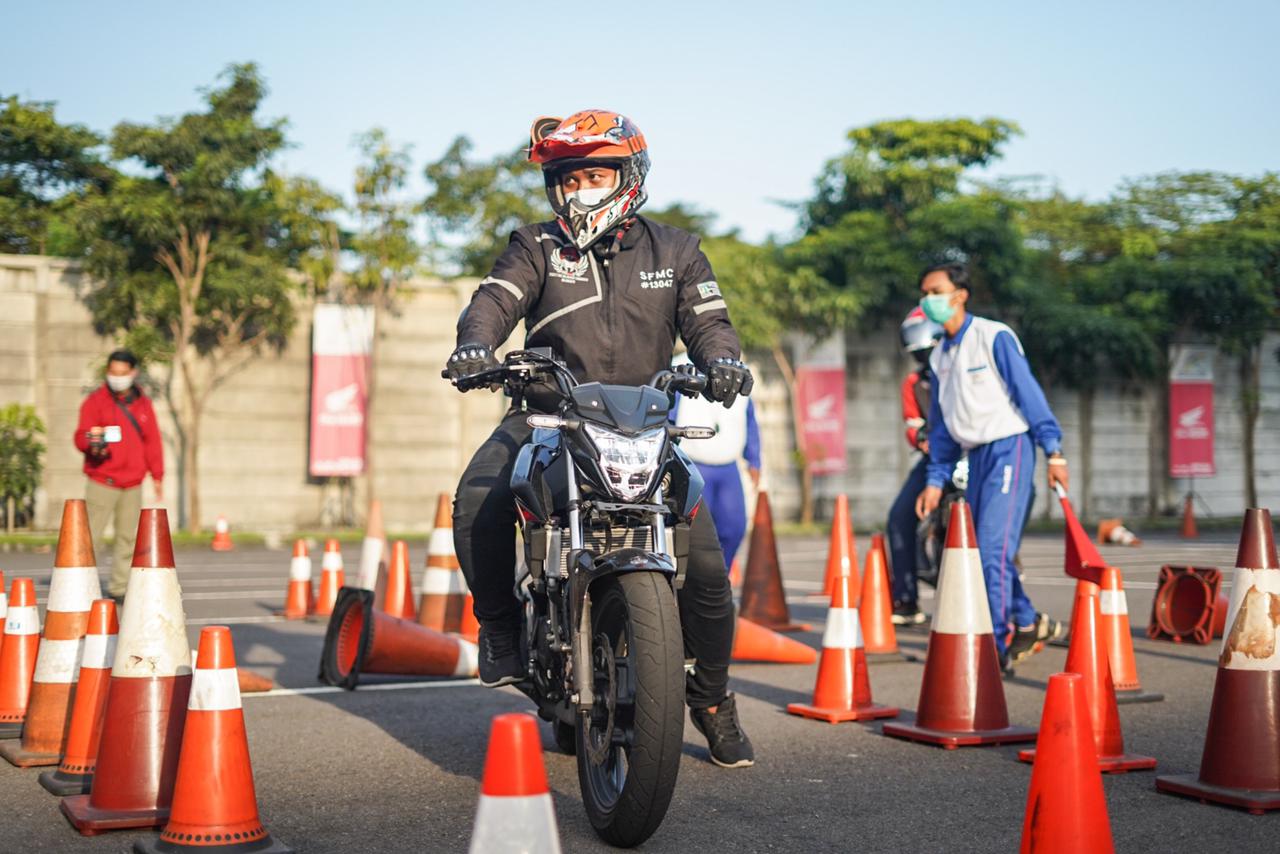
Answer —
919 334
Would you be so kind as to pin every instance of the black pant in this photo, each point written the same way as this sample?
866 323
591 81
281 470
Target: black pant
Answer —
484 528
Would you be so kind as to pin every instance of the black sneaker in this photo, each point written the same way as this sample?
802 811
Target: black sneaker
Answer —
907 614
1027 642
500 659
729 745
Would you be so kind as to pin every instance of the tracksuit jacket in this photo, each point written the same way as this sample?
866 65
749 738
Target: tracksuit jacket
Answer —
139 450
612 312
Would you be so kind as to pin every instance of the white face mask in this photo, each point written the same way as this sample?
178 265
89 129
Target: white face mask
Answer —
119 384
589 197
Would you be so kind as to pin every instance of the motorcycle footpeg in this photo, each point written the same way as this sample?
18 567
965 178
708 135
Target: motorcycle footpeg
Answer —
690 664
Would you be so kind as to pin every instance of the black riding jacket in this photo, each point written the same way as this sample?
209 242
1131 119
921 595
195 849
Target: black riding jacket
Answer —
612 312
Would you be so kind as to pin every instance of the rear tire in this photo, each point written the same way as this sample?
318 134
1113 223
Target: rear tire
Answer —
627 780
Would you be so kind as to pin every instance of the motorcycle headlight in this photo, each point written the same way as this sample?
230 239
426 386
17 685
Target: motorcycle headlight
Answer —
629 463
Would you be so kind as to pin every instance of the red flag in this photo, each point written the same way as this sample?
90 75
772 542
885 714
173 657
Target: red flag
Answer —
1082 559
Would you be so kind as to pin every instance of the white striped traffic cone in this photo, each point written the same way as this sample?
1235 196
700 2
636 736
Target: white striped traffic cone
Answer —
374 551
18 656
515 815
444 590
332 579
843 689
147 696
961 693
72 589
299 601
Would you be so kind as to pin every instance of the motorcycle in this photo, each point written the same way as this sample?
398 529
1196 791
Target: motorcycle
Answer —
605 499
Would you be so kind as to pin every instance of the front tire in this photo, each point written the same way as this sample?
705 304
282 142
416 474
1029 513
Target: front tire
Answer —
629 745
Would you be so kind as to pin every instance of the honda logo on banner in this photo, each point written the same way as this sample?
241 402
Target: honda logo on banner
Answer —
820 391
341 341
1191 412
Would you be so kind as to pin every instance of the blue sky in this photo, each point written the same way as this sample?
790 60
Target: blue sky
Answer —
741 102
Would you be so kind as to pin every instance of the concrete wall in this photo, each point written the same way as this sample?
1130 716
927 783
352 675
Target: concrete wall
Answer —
254 450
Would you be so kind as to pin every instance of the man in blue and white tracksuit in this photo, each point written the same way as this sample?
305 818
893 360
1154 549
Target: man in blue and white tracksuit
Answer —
737 437
987 402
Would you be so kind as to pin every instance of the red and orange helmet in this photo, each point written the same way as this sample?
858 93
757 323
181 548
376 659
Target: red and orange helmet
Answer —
591 138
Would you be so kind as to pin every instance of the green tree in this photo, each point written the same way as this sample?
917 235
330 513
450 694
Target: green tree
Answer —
21 460
190 250
310 234
768 303
384 245
44 167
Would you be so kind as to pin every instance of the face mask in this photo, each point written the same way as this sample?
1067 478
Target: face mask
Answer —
938 307
119 384
589 197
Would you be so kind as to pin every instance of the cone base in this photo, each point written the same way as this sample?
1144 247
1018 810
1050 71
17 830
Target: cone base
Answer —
64 784
11 730
222 548
27 758
156 845
291 615
1138 696
1107 764
951 740
1256 801
872 711
91 821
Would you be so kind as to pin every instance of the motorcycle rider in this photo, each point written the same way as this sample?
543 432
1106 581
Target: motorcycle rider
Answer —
919 334
607 291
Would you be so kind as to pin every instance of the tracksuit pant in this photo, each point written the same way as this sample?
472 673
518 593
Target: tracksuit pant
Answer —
1000 490
484 536
722 495
901 528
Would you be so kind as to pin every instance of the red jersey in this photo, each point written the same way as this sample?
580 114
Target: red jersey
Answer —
915 403
139 450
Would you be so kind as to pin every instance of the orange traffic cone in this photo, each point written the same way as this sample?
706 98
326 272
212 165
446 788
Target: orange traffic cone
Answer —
1114 616
18 656
1241 762
1088 657
444 590
1113 532
1189 531
763 600
222 535
843 689
298 600
213 796
75 772
373 552
1189 605
1066 807
758 644
961 694
470 625
332 579
842 554
398 593
515 813
4 608
735 573
361 639
72 589
876 610
146 698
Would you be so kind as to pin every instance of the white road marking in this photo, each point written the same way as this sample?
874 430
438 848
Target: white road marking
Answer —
390 686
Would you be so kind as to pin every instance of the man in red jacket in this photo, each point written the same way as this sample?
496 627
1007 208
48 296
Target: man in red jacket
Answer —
120 440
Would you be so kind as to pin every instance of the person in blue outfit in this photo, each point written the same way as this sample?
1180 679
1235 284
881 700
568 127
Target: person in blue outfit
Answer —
987 402
737 437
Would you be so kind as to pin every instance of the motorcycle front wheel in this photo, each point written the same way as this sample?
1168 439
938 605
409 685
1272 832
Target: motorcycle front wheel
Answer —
629 744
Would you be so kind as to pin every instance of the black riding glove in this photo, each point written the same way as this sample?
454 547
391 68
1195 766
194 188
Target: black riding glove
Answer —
726 379
468 360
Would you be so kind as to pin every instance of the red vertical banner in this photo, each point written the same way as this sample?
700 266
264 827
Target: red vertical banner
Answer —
341 341
1191 412
820 391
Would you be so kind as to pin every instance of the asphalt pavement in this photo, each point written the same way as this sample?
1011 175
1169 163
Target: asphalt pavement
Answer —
396 764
